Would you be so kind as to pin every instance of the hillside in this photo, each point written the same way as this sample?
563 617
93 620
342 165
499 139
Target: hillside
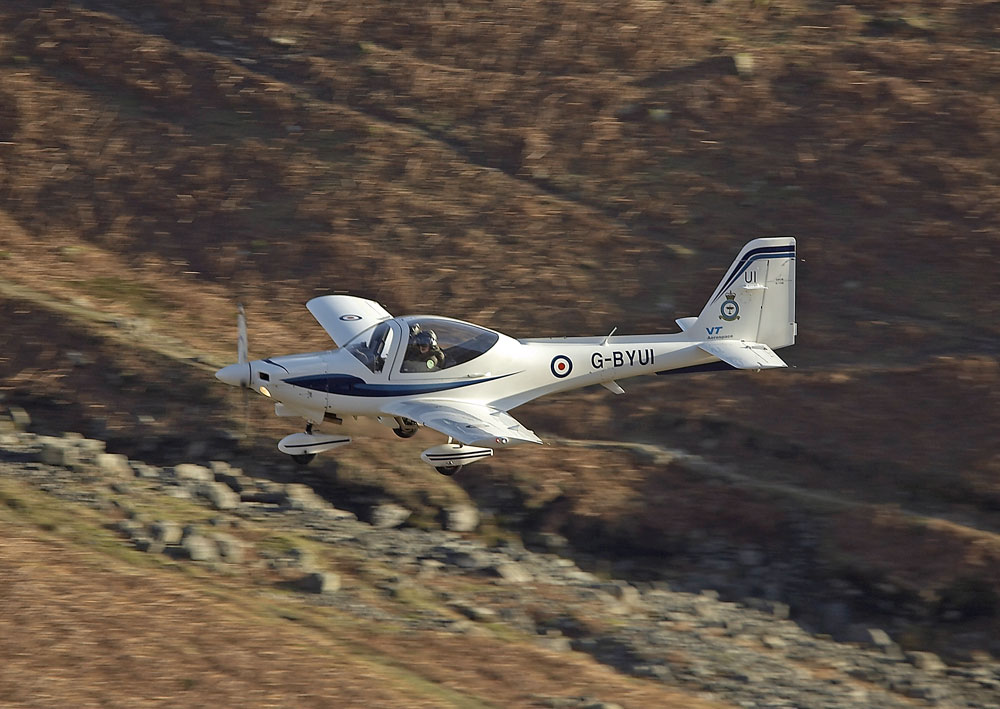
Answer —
545 169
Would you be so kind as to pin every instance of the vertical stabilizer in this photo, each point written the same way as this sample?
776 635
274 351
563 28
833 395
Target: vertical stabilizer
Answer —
755 301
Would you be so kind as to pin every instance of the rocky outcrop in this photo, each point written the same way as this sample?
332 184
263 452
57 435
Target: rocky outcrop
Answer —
749 653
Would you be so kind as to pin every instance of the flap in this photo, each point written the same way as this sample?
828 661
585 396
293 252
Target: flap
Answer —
344 316
742 354
466 422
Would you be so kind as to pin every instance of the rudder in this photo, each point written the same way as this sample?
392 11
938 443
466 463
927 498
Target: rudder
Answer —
755 301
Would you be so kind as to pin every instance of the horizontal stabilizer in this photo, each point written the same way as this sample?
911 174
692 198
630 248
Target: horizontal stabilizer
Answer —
743 355
685 323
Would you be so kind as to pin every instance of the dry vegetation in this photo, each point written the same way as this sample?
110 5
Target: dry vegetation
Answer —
84 628
545 168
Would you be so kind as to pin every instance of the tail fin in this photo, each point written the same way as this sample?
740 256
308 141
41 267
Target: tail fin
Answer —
756 299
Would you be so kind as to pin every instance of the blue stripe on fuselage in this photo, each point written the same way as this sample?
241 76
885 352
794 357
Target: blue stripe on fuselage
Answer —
348 385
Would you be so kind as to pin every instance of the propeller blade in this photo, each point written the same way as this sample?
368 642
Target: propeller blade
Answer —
241 340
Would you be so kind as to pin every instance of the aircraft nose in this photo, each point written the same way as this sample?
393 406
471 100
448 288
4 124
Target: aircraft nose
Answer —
236 375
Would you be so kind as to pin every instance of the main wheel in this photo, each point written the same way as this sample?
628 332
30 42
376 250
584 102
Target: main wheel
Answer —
303 458
405 432
449 470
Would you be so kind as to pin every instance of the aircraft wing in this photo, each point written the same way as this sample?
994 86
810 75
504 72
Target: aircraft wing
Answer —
468 423
743 355
344 316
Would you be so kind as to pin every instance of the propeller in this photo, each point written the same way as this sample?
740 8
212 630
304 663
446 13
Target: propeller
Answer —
240 373
242 357
241 342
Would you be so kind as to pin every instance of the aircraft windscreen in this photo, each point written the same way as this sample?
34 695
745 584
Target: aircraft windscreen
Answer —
372 345
435 343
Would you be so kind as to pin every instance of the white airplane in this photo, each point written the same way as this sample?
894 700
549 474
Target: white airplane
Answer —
461 379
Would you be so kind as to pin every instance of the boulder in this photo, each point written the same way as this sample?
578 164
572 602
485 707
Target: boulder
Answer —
461 518
302 497
926 661
511 572
190 471
198 548
220 495
19 418
389 515
319 582
624 592
58 451
231 549
166 532
113 464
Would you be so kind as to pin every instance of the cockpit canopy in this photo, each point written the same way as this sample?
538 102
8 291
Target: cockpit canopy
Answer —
430 344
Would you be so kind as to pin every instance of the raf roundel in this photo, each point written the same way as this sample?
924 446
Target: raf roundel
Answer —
350 318
561 366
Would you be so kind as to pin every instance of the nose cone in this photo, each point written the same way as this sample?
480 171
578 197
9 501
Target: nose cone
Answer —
237 375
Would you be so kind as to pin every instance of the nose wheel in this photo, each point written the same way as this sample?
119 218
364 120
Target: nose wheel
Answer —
449 470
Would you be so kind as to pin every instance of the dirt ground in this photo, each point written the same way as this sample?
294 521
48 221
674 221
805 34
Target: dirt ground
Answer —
82 627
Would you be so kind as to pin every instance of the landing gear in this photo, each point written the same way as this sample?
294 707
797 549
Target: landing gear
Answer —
303 447
450 457
305 458
406 428
449 470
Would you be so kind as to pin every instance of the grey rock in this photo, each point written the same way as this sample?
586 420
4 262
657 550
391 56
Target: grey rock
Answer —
147 472
220 495
198 548
511 572
430 567
389 515
89 448
302 497
166 532
19 417
58 451
557 642
190 471
113 464
624 592
231 549
773 642
471 611
237 482
461 518
148 545
926 661
120 488
129 528
319 582
180 493
549 541
869 636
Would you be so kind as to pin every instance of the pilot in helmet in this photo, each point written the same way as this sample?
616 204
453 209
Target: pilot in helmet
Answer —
423 350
